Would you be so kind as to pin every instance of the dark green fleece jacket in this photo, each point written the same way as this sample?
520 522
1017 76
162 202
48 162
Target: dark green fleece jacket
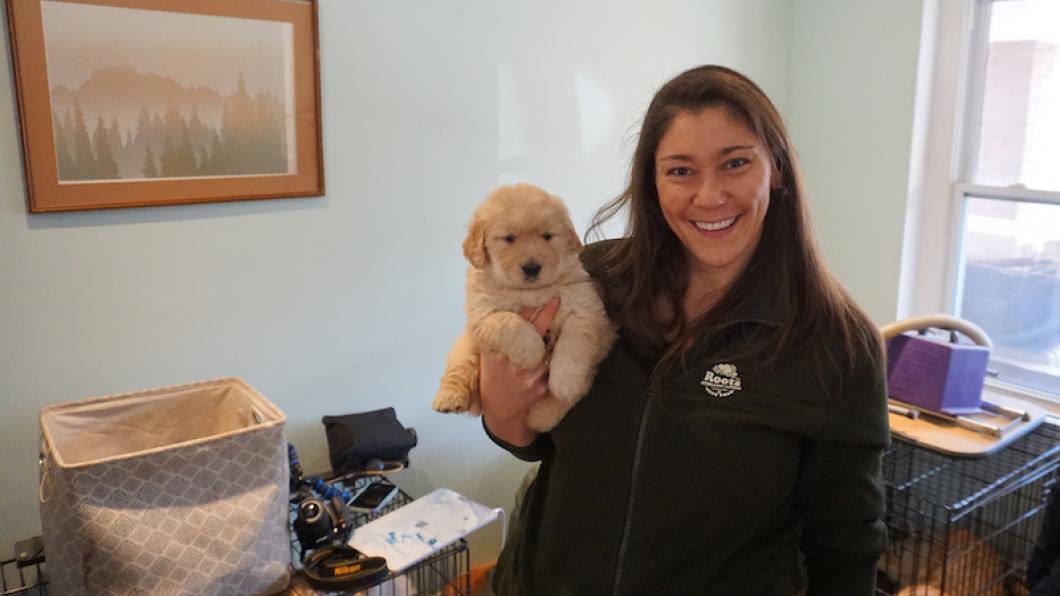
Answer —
736 482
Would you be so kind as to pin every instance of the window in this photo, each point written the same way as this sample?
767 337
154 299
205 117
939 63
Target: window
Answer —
1006 274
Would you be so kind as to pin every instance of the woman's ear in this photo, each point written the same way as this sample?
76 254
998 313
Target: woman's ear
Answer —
475 244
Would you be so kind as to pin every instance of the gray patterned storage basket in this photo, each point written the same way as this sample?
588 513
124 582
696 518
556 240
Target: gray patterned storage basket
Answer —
179 490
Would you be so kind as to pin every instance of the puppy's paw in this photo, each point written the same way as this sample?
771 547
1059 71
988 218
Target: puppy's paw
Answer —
452 399
546 413
527 351
568 380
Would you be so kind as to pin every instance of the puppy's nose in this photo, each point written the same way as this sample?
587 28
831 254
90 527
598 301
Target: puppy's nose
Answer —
531 269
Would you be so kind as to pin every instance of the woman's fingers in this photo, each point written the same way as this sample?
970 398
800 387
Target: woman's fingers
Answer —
508 388
542 316
543 320
536 380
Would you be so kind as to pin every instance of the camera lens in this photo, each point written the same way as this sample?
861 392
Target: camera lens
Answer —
310 511
313 524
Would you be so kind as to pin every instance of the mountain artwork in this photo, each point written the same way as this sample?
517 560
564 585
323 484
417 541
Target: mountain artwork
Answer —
128 105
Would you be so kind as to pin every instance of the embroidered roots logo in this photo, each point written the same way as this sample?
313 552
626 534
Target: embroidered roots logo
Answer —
722 380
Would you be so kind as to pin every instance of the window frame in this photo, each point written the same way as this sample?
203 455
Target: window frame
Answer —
964 94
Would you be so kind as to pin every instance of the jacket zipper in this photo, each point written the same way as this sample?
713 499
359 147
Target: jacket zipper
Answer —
632 495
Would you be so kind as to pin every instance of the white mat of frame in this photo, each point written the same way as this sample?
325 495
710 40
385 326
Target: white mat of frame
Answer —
410 534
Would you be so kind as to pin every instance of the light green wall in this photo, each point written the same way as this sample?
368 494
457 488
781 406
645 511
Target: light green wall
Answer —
853 88
349 302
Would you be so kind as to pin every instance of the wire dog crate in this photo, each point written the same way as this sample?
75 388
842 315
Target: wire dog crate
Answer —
22 579
445 573
965 526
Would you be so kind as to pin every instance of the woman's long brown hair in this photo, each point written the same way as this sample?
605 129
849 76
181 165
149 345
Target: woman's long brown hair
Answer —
648 268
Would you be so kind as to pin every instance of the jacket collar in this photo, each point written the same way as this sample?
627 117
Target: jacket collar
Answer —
762 308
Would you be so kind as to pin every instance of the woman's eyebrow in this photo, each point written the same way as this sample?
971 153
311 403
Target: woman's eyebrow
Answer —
675 157
724 151
732 148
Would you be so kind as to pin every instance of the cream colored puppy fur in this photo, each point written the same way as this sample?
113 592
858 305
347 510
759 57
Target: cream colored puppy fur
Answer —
523 251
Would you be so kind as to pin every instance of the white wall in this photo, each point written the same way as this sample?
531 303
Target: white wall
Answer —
930 230
349 302
853 93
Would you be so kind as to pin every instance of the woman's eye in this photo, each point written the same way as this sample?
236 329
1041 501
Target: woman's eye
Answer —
737 162
510 238
682 171
547 236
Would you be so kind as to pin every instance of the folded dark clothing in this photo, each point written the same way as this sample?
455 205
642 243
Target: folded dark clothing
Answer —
353 439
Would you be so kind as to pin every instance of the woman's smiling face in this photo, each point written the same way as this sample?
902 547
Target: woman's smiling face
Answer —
713 176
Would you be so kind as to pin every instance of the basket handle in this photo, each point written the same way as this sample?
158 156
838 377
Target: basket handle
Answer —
44 487
937 321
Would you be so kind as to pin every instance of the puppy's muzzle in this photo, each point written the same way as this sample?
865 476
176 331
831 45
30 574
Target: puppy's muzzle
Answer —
531 269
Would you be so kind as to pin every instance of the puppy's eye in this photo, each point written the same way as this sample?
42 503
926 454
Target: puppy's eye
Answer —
547 235
510 238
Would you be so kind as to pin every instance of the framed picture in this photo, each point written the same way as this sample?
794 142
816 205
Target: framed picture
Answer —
132 103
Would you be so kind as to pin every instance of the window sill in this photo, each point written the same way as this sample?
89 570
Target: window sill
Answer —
1050 402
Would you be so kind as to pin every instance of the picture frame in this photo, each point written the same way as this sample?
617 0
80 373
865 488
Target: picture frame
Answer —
134 103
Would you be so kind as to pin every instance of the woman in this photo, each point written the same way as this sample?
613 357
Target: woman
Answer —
731 442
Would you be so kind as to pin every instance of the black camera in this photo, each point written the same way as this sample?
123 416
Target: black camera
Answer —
323 510
322 522
321 514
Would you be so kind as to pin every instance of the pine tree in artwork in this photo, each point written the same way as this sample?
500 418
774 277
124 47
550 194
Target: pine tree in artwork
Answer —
167 162
202 162
68 126
150 170
218 158
268 114
157 132
136 144
173 121
239 130
131 158
143 125
116 145
252 134
106 166
184 153
64 162
84 160
197 131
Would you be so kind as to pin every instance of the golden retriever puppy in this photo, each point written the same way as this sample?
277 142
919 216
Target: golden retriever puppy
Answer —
523 251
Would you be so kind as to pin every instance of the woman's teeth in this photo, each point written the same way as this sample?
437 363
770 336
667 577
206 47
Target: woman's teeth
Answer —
714 226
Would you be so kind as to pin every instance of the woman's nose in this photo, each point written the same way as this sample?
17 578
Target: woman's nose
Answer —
710 193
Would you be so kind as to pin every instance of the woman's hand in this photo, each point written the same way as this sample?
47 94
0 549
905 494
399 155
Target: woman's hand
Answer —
507 391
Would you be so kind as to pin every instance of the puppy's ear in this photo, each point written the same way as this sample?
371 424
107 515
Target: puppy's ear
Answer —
475 244
572 237
575 241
